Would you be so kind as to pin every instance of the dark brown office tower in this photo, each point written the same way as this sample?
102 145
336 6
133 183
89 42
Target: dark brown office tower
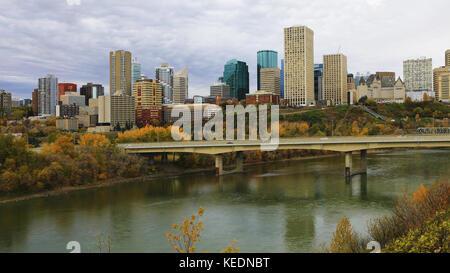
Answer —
35 101
69 110
92 91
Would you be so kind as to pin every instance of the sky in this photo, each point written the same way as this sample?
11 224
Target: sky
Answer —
72 38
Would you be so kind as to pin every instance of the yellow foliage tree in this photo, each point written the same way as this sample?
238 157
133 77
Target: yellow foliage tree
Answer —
185 236
145 134
94 140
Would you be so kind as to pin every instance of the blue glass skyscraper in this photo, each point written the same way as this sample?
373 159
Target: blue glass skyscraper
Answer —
282 79
266 58
318 74
235 75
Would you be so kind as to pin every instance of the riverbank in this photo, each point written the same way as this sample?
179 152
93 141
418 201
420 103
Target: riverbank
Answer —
169 171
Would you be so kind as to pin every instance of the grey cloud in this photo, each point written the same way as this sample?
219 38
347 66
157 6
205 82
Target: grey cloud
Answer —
73 41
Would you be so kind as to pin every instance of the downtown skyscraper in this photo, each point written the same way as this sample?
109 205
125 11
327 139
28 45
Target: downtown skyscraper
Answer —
418 74
236 76
135 71
299 66
180 86
48 95
164 74
120 71
265 59
335 79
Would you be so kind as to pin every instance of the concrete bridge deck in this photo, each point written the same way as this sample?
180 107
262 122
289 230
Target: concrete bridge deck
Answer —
337 144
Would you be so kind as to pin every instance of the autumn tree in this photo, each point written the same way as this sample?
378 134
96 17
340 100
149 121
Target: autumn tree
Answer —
184 237
345 239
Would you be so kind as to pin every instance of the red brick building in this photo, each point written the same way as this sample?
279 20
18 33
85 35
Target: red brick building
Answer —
35 101
65 87
262 97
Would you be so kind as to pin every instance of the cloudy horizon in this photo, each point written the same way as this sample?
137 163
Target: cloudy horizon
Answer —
72 38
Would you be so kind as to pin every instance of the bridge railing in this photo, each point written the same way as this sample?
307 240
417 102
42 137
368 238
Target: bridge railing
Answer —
433 131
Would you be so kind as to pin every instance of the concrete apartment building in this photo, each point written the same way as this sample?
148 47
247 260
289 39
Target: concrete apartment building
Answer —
381 91
270 80
335 79
48 95
299 66
120 71
418 74
447 57
441 80
221 89
148 101
116 109
5 101
180 86
73 98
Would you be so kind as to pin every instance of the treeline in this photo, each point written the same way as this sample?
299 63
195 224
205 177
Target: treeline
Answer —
62 164
420 223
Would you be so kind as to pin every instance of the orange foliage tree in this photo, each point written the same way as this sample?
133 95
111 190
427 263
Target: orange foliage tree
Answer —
62 145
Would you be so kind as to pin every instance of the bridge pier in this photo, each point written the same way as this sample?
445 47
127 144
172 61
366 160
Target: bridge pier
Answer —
349 164
219 164
164 158
239 164
363 161
151 159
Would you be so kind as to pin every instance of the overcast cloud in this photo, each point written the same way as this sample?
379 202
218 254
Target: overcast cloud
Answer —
72 38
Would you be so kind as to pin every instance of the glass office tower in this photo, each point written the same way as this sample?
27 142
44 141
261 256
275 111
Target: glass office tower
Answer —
135 71
266 58
236 76
318 74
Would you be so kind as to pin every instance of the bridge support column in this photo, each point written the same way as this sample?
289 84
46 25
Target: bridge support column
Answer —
239 162
164 158
348 164
219 164
151 159
363 161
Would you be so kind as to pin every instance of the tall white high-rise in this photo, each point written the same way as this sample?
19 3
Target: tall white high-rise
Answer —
180 86
48 95
299 65
418 74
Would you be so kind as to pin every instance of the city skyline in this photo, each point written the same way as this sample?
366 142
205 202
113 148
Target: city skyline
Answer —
37 43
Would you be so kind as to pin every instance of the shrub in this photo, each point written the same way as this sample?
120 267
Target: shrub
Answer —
433 238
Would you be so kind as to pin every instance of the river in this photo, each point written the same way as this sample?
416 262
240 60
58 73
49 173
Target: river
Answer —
291 206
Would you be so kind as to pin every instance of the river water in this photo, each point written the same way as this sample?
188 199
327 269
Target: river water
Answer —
289 206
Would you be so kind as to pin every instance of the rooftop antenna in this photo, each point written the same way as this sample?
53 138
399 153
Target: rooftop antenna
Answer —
339 49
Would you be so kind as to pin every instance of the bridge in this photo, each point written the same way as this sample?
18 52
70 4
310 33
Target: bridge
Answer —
347 145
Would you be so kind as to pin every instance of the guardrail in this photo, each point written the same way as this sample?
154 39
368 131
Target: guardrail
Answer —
433 131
